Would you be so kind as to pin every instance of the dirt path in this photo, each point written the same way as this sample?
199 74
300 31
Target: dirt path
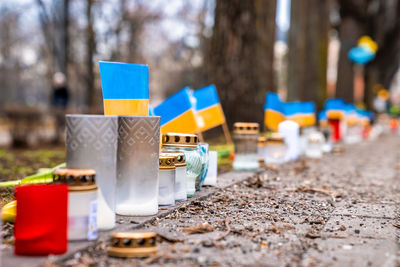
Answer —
339 211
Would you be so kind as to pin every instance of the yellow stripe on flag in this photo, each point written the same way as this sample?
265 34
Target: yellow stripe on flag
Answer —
333 114
309 120
184 123
272 119
211 117
135 107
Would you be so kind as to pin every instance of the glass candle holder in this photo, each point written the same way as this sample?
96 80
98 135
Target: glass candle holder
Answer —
211 178
276 149
290 130
91 142
203 150
186 143
315 144
262 148
82 202
245 138
353 134
166 176
137 165
180 175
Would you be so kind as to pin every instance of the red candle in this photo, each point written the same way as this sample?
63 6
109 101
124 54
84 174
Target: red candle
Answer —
335 126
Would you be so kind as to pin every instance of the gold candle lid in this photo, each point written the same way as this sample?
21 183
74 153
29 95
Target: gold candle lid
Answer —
275 139
246 128
179 158
76 179
167 162
262 141
180 140
130 245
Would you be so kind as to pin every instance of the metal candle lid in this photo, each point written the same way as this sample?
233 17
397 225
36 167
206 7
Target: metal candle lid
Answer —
76 179
180 140
130 245
246 128
275 139
179 158
167 162
262 141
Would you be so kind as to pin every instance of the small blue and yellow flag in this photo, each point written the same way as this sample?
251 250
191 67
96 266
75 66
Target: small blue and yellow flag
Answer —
335 108
308 113
293 112
177 113
323 118
352 117
273 111
125 88
208 108
364 116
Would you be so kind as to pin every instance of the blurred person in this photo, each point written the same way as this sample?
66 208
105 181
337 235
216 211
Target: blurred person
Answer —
59 103
60 95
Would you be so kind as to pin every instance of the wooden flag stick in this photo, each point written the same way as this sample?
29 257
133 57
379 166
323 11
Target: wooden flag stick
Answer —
227 133
200 135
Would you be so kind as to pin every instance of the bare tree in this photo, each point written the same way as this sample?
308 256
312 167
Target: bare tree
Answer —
240 56
308 51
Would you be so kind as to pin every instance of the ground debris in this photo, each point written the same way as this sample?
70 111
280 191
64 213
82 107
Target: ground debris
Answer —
313 235
312 190
198 229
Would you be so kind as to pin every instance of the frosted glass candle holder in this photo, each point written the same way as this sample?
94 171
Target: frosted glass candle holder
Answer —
211 178
180 175
137 165
276 150
82 202
166 189
290 130
315 145
245 138
91 142
186 143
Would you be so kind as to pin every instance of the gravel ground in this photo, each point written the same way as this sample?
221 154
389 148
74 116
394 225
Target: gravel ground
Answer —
337 211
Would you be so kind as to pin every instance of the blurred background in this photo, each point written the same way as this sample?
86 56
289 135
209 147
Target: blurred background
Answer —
49 53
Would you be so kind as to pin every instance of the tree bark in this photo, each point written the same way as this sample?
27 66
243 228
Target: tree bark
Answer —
90 46
308 51
239 57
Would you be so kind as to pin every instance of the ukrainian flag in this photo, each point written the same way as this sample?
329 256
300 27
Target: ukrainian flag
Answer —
308 113
364 116
335 108
177 113
125 88
323 118
352 117
208 108
274 111
292 111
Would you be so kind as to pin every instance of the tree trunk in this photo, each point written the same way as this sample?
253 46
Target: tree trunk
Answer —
66 38
90 46
240 56
308 51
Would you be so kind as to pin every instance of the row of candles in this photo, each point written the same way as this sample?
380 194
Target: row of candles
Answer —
115 165
290 142
119 165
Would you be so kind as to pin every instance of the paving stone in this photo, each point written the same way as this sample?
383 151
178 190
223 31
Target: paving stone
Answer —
356 226
352 252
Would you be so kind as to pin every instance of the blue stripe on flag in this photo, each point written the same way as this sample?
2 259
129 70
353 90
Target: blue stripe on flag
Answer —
206 97
124 80
174 106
